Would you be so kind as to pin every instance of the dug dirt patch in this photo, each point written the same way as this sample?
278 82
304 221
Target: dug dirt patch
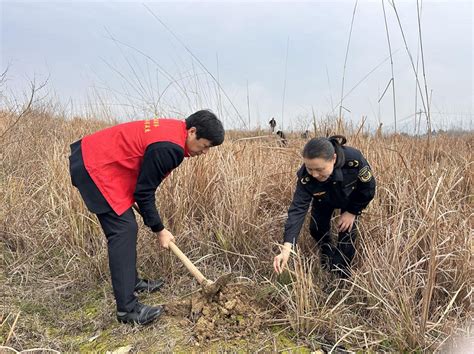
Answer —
233 313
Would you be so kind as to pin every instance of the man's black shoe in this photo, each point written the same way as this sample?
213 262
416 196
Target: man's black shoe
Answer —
141 314
148 285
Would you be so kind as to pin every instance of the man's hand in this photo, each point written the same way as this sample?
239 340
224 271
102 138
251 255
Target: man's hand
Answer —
165 237
280 261
345 222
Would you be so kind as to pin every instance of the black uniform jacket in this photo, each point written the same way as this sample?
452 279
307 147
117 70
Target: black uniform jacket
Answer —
350 188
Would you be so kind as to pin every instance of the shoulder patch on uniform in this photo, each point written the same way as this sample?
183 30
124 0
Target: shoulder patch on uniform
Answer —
365 174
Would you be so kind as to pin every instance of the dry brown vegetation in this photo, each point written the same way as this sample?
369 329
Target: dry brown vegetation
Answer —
412 283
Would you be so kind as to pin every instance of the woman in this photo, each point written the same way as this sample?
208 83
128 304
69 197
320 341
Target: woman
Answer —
333 176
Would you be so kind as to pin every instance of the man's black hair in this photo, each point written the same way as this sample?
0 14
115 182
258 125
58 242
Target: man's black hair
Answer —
207 125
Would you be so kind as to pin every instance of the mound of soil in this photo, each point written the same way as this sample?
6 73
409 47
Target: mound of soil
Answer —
233 313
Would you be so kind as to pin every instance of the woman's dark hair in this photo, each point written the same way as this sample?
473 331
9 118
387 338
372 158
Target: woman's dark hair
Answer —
325 148
207 125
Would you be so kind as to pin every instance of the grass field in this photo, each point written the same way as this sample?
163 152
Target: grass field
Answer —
411 288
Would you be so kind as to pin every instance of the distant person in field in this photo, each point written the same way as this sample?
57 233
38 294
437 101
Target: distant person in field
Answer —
282 136
333 176
305 135
124 164
272 124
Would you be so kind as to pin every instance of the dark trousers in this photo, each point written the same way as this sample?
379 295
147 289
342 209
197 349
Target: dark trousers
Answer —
121 232
342 254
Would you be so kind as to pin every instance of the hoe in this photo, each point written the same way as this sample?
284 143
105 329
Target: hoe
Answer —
209 288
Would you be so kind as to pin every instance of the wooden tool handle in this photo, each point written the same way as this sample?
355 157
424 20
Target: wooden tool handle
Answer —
187 263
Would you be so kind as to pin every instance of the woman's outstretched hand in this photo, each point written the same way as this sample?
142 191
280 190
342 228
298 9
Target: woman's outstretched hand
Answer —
280 261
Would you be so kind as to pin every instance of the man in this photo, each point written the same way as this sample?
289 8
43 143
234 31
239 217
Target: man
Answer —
273 124
124 164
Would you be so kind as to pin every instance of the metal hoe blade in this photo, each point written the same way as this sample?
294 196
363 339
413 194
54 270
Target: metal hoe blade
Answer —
210 289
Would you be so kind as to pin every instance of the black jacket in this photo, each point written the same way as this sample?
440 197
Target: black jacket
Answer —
349 188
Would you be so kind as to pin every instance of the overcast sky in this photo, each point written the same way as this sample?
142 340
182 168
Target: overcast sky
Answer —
281 59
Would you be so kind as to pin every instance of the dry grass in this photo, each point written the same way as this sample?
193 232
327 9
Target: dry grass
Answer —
412 282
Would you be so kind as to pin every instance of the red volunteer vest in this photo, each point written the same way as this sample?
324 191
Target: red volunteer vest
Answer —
113 156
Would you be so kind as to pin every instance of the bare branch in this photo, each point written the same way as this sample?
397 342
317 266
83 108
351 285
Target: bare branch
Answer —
391 66
345 60
199 62
384 91
33 91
